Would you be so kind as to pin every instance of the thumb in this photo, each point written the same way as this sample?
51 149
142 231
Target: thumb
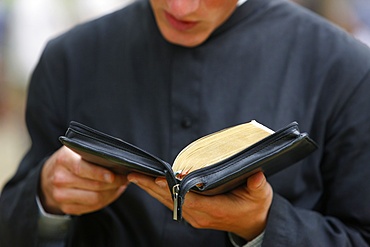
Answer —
256 182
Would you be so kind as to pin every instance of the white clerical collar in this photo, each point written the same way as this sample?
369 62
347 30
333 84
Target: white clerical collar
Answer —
240 2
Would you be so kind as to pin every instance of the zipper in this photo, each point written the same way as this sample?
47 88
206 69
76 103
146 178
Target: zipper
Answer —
176 203
179 191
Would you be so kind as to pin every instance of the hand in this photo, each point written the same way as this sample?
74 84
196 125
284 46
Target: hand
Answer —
242 211
70 185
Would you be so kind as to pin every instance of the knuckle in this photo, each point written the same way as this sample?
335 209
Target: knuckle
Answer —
201 222
64 159
76 168
60 159
58 196
96 200
97 185
192 204
59 178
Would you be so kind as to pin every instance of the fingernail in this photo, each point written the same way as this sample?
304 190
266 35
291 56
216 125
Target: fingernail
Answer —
108 178
161 183
131 180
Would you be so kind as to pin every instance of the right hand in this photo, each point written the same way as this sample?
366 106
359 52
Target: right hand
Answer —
71 185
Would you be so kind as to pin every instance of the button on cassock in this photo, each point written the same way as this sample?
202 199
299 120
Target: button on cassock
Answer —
186 123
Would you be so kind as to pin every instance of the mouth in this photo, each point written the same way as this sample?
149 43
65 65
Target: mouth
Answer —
179 24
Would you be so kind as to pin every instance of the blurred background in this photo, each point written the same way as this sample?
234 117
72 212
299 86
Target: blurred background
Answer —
26 26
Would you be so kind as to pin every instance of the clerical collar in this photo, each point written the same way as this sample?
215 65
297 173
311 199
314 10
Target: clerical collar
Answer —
240 2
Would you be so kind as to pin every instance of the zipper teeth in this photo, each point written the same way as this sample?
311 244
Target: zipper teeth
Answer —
269 140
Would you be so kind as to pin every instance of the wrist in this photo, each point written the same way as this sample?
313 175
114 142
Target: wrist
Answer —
46 204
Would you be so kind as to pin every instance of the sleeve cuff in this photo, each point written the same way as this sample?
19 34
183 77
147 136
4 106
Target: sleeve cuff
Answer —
52 226
237 241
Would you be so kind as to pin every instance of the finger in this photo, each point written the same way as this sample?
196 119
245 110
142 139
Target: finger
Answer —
64 178
162 183
74 201
260 191
91 171
83 168
164 192
157 188
258 187
256 181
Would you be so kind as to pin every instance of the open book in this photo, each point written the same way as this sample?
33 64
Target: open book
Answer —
213 164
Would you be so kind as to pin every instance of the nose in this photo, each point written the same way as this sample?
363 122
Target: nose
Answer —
181 8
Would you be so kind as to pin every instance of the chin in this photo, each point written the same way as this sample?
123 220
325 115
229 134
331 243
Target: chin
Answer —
186 40
184 43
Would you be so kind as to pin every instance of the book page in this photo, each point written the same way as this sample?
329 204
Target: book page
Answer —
218 146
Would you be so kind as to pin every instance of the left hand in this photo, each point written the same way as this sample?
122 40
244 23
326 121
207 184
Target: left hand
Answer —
242 211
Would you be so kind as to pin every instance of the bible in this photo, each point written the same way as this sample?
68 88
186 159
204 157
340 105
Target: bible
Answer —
213 164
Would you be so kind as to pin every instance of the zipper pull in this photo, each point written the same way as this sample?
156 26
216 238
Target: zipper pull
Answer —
175 193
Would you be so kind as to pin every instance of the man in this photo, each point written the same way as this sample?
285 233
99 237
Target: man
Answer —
164 73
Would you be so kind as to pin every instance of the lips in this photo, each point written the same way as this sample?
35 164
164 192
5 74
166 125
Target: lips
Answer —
179 24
